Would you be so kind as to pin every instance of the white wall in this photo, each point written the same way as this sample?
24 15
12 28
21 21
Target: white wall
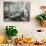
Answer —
25 28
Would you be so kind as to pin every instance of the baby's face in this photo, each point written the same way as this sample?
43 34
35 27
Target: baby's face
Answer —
44 10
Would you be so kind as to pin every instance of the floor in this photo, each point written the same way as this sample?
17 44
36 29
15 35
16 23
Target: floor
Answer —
31 45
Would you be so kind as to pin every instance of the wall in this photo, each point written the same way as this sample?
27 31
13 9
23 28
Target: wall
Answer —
25 28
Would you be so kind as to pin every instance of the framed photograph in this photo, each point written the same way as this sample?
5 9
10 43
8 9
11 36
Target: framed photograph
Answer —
16 11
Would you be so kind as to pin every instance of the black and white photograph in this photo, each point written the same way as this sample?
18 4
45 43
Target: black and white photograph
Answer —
16 11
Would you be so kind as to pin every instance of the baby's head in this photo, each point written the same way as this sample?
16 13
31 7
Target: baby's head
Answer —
43 8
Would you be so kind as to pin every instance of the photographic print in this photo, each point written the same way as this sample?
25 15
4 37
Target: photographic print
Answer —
16 11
